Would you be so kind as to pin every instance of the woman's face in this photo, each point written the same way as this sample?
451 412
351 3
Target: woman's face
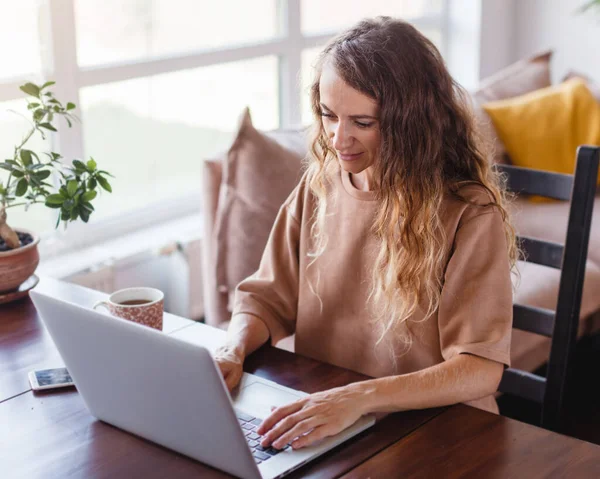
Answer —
351 123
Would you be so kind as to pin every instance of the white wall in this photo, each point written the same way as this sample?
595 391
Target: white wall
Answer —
497 35
482 36
543 24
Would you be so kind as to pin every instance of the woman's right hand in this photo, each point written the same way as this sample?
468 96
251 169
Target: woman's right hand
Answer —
230 362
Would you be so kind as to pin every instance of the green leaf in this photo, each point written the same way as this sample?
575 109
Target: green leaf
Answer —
63 192
71 106
42 175
92 183
65 215
72 187
34 181
18 174
68 122
87 206
52 205
36 167
74 214
85 215
89 195
104 184
22 186
47 126
7 167
30 89
91 164
47 84
79 165
26 157
31 106
39 114
54 200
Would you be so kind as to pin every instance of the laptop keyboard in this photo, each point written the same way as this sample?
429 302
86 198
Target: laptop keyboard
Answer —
249 426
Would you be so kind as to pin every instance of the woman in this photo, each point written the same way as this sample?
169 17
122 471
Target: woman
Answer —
392 257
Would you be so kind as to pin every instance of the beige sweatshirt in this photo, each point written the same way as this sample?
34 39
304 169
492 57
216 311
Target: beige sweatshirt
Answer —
475 312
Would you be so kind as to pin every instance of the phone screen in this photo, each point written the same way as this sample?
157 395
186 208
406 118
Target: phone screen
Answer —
52 377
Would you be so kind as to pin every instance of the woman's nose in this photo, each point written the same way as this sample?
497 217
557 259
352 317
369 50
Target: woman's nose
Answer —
341 138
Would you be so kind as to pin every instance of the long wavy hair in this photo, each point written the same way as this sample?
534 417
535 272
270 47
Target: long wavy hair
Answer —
429 148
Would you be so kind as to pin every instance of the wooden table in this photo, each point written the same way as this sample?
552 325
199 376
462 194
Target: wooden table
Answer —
53 435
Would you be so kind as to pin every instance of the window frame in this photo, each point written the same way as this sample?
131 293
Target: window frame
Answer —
60 64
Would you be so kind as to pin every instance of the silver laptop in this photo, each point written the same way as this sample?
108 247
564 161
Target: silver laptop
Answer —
171 392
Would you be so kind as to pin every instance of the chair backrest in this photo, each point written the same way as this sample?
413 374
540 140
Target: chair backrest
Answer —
560 325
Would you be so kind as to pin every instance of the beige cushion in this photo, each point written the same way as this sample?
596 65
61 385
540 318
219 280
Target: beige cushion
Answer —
539 284
548 221
539 287
259 172
517 79
215 302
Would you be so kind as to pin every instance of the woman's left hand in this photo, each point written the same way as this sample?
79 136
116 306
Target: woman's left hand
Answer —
323 414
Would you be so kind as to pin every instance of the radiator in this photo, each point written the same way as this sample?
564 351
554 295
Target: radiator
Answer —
175 269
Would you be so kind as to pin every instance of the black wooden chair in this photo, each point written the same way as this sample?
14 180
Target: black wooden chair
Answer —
559 325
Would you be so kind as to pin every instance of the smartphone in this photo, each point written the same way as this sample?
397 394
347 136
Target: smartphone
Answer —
50 379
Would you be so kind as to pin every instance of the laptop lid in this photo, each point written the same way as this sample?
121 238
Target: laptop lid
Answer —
148 383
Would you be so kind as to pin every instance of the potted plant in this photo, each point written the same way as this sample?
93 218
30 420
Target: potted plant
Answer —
28 182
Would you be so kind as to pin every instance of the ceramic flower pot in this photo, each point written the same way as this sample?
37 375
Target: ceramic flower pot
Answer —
18 264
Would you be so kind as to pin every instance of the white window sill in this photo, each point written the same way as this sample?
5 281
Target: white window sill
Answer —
124 249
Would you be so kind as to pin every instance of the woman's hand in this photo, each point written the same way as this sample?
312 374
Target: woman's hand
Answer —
312 418
230 361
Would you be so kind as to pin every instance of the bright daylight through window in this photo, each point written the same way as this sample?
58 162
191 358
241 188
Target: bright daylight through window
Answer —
159 84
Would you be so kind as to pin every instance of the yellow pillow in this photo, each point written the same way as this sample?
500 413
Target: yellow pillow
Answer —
543 129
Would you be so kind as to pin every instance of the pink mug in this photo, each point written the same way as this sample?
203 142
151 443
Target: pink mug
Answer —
141 305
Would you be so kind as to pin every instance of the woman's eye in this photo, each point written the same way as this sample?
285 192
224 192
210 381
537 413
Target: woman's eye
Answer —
364 125
326 115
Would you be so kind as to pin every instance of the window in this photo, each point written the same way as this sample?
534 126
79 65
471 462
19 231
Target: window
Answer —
159 128
321 16
160 84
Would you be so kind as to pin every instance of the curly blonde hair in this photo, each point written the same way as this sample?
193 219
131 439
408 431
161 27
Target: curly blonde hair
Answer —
426 125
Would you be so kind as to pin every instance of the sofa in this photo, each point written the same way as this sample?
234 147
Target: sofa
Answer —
240 206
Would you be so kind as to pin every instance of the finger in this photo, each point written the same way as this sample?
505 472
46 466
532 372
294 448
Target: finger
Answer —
285 425
315 435
224 368
278 414
297 431
232 379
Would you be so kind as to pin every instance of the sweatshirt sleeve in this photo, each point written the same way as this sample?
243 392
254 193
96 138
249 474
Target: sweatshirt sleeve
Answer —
475 312
271 293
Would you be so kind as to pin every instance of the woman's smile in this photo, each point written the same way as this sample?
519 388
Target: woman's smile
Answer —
349 156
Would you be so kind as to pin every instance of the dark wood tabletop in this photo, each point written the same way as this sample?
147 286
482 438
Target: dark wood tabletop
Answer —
53 435
464 442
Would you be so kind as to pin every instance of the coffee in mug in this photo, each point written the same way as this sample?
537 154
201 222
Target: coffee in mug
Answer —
133 302
141 305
